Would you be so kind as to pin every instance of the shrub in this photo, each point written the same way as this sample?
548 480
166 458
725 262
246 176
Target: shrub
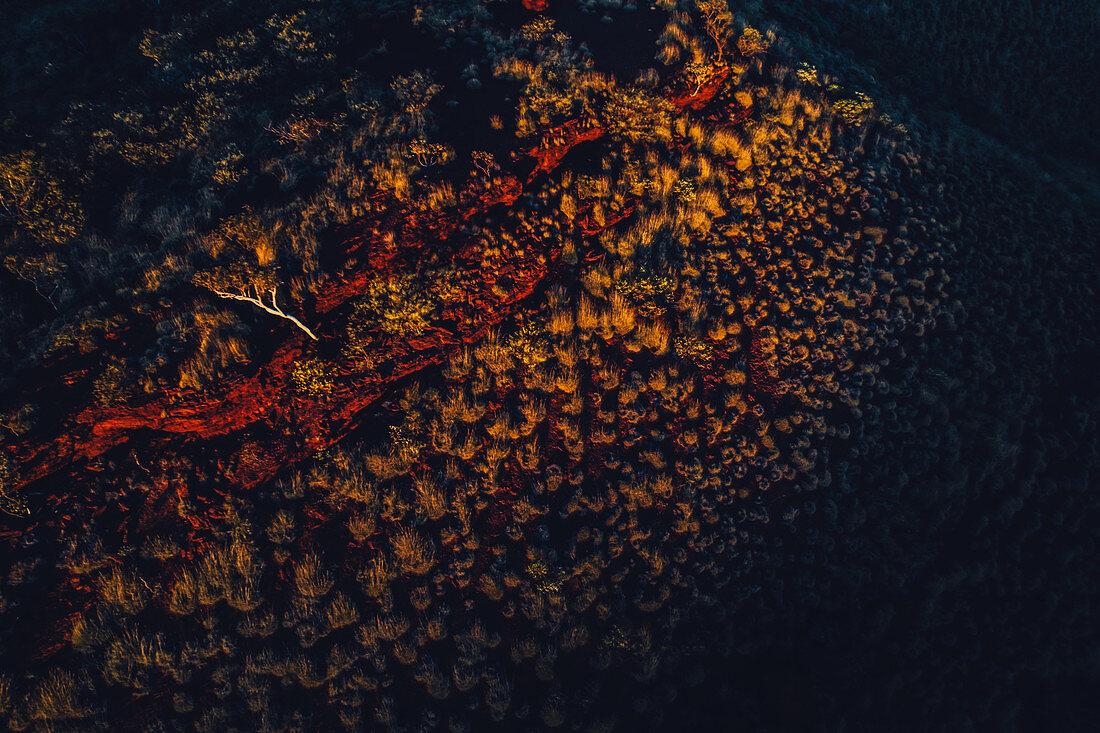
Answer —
36 201
428 153
692 348
19 420
529 345
637 115
114 385
853 107
398 304
807 74
313 377
751 42
647 291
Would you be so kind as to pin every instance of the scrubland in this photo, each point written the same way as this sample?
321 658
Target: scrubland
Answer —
745 390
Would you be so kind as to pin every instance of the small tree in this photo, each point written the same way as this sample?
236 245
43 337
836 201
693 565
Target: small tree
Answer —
484 162
414 92
244 250
428 153
239 282
752 43
716 20
637 115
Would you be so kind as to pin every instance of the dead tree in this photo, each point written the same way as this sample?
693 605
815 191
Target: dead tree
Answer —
273 309
240 283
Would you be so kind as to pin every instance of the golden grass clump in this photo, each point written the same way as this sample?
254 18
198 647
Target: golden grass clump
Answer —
122 591
218 341
133 657
229 572
375 577
61 696
312 580
431 501
283 528
353 485
340 612
411 552
160 547
652 335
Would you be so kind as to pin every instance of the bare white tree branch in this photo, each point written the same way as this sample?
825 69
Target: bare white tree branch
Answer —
273 309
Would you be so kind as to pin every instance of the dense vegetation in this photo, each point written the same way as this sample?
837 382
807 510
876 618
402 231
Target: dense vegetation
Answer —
484 365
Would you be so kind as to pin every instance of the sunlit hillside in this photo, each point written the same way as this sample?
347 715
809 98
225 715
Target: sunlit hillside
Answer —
487 365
